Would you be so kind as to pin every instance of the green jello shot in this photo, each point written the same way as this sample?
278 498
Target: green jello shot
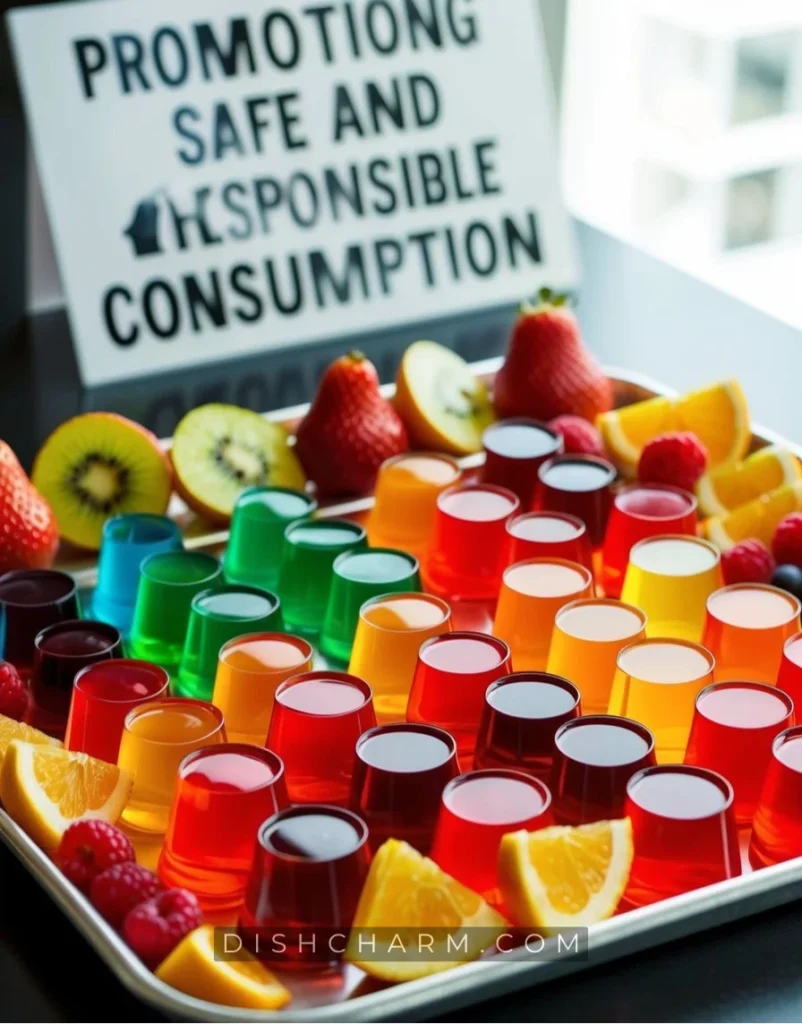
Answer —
261 517
310 549
167 584
217 616
358 576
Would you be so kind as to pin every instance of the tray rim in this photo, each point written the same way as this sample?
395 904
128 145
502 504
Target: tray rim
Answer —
470 983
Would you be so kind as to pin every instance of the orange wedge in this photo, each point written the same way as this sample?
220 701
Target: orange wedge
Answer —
758 518
718 415
565 876
735 483
406 893
244 982
11 730
45 789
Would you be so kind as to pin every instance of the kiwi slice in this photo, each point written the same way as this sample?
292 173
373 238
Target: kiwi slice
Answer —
220 450
98 465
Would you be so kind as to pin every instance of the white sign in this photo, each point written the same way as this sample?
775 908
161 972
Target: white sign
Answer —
225 178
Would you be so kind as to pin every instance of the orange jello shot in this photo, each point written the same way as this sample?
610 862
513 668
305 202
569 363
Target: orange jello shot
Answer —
388 638
248 672
407 489
746 627
532 593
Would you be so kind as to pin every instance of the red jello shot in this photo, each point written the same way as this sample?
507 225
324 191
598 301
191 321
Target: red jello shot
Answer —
514 451
469 546
521 715
305 882
595 757
581 485
317 719
789 677
641 511
451 678
30 601
777 825
548 535
223 795
62 651
400 773
102 696
477 810
683 831
734 727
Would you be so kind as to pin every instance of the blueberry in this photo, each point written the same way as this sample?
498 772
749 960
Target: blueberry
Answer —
788 577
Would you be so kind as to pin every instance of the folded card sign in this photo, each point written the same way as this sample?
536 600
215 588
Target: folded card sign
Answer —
226 178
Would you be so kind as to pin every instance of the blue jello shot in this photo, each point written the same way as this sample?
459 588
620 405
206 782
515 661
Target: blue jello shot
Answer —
127 541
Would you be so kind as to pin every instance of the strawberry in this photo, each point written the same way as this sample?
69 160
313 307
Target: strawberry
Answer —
28 528
349 430
548 370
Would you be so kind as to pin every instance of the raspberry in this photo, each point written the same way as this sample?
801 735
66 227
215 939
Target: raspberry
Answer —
786 545
678 459
13 693
120 888
579 435
747 562
154 928
89 847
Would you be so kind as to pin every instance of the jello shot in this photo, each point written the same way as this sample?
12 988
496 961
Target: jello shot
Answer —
746 627
531 595
469 546
388 638
249 671
30 601
548 535
789 677
777 825
256 541
61 651
514 451
670 578
407 489
581 485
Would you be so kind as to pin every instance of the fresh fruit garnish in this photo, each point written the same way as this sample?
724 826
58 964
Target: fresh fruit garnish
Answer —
13 692
718 415
565 876
244 982
99 465
219 450
548 371
749 561
45 789
29 537
786 544
349 430
758 518
789 578
735 483
117 890
444 406
579 435
678 459
10 729
89 847
405 890
155 927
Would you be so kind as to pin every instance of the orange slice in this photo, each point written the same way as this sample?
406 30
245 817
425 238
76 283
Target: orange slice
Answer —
244 982
405 893
735 483
718 415
11 730
758 518
565 876
45 789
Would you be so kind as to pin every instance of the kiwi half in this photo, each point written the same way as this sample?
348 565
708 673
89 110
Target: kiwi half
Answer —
220 450
98 465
